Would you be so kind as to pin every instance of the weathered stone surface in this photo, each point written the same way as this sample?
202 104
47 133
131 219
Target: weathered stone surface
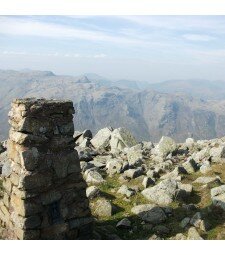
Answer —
102 138
120 139
217 154
147 181
92 192
150 213
114 166
190 166
124 190
103 208
165 146
193 234
205 167
44 190
94 177
124 224
133 173
163 193
134 156
218 196
205 180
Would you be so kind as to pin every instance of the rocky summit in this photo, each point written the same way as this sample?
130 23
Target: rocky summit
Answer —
145 190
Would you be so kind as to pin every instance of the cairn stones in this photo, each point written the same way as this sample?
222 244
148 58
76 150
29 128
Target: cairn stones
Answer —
44 191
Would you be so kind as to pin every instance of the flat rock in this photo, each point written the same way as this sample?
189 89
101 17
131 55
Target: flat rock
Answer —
133 173
150 213
205 180
163 193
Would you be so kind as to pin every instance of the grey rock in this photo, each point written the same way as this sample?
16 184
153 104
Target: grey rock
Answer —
120 139
193 234
150 213
134 156
161 230
205 180
147 181
103 208
196 220
92 192
114 166
162 193
133 173
179 236
102 138
205 167
94 177
184 223
217 154
190 166
124 224
124 190
7 168
165 146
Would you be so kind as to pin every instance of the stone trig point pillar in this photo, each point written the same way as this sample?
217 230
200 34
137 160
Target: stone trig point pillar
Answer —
44 192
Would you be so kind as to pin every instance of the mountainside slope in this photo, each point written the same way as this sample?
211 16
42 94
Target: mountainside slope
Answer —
147 113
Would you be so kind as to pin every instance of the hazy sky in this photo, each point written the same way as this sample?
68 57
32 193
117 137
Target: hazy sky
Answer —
151 48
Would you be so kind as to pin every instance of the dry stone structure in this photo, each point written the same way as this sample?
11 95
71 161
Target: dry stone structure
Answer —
44 191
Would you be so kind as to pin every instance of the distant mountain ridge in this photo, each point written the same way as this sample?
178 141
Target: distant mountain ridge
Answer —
148 111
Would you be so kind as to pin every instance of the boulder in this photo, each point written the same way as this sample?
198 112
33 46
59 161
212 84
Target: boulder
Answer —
205 180
205 167
84 137
201 155
165 146
190 165
124 190
218 196
94 177
189 142
150 213
161 230
147 145
185 188
162 193
124 224
120 139
114 166
147 181
102 138
196 220
103 208
134 156
92 192
217 154
193 234
133 173
184 223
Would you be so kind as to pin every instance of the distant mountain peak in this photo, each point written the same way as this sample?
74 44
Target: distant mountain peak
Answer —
83 79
